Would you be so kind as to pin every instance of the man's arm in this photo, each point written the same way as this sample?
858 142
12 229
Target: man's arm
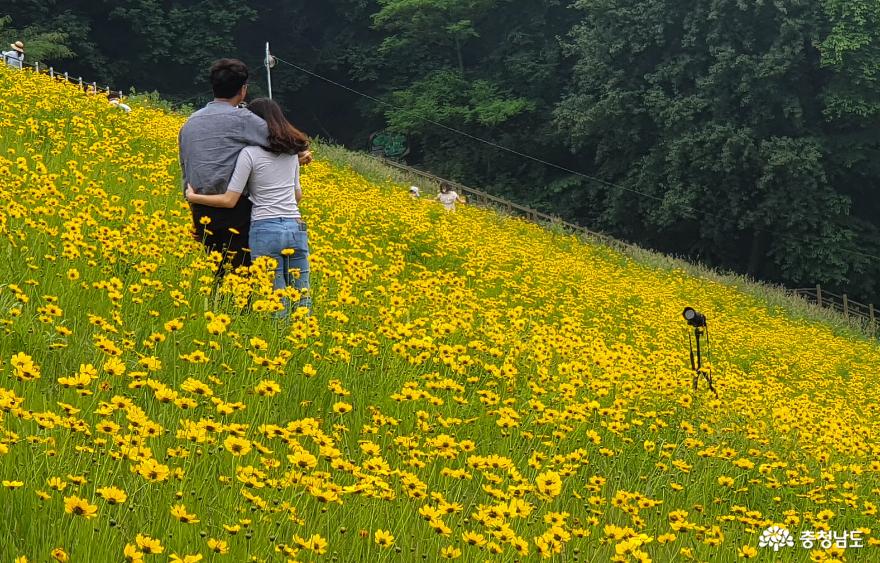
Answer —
253 131
243 167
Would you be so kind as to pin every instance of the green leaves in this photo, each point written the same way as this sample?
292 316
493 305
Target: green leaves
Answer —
449 98
852 51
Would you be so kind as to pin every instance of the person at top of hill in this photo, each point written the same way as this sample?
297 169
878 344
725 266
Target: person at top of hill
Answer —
116 101
15 56
271 175
448 197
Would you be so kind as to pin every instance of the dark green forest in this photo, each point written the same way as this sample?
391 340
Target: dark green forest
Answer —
740 134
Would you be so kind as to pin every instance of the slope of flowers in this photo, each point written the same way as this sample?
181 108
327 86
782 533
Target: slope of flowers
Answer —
468 387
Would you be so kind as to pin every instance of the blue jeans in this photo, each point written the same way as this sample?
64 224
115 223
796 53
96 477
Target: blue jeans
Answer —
270 237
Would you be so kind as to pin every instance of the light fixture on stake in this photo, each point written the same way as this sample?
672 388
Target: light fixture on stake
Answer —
701 329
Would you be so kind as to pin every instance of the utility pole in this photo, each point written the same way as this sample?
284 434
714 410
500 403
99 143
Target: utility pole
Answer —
269 62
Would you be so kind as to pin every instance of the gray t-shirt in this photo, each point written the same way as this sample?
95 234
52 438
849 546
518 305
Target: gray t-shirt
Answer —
210 141
272 181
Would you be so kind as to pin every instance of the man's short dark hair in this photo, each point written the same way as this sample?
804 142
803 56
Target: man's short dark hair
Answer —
227 78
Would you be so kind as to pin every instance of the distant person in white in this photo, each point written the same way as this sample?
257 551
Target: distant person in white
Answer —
116 101
271 178
14 57
414 192
448 197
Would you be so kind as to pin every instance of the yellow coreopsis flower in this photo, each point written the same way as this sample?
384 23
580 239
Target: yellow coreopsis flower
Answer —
149 545
131 554
825 515
549 484
24 368
112 495
153 471
317 544
383 538
56 483
179 512
665 538
268 388
237 446
114 366
218 546
79 507
473 538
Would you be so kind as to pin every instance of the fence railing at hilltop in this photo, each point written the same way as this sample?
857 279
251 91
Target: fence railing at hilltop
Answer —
840 303
50 71
93 87
866 314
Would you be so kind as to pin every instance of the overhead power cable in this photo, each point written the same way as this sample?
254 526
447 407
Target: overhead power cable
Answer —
509 150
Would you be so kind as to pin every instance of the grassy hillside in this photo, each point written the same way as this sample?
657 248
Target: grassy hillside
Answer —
474 386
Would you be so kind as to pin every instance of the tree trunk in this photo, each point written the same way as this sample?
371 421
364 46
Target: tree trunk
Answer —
757 254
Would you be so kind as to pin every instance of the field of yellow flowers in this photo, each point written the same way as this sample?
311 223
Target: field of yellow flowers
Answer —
469 387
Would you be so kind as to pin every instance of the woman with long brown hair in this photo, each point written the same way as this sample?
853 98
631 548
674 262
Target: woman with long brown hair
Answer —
271 177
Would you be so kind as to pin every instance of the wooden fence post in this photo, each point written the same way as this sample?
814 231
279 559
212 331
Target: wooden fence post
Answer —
872 317
819 294
845 305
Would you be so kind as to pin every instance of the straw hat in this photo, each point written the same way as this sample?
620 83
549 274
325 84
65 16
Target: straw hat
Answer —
17 46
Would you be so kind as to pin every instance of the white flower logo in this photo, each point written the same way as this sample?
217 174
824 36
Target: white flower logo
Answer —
776 537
